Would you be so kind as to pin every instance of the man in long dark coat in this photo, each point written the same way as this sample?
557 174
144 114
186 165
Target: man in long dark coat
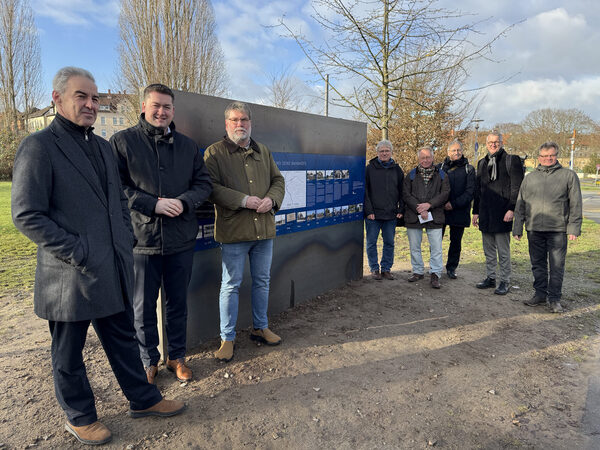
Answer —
67 198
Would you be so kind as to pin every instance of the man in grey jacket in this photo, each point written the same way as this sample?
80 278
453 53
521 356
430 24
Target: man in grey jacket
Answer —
549 204
67 198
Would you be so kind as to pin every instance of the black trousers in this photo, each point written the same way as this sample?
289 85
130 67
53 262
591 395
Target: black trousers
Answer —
72 387
547 248
456 234
174 272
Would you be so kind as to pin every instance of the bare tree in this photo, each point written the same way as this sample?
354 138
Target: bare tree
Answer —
381 45
557 125
19 60
288 92
171 42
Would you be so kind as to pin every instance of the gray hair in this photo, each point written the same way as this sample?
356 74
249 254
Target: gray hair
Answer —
455 141
59 83
426 147
548 146
384 143
238 106
495 133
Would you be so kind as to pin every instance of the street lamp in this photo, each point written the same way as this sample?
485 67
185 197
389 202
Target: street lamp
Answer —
572 152
476 135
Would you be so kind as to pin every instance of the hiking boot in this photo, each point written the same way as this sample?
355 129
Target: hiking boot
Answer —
388 275
151 373
182 372
265 336
93 434
486 284
415 277
164 408
376 275
451 274
556 307
435 281
535 301
502 288
225 352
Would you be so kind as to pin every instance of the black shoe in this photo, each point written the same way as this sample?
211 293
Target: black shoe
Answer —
502 289
556 307
451 274
486 284
535 301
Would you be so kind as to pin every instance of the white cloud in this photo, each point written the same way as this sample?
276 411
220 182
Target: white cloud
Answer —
512 102
79 12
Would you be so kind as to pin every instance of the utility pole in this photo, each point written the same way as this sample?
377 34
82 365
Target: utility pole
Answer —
327 95
476 136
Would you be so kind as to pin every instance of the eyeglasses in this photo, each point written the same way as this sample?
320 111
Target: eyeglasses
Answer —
384 151
455 150
244 121
493 142
548 156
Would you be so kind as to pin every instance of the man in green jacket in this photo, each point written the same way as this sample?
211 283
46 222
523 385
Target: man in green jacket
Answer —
549 204
248 190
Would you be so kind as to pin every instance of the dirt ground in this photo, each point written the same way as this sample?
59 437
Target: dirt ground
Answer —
376 364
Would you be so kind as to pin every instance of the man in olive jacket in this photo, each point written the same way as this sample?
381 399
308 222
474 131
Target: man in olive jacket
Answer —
499 177
67 198
165 180
425 192
549 204
383 205
247 191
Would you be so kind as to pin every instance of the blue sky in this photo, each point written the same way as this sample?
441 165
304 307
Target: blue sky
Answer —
552 52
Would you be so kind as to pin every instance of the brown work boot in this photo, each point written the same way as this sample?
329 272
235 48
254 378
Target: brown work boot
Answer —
164 408
151 373
376 275
415 277
225 352
182 372
265 336
435 281
388 275
93 434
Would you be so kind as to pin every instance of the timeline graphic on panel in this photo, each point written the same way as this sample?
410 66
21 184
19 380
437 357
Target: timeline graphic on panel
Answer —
320 190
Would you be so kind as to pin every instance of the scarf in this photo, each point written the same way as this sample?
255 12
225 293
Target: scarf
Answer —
387 164
426 174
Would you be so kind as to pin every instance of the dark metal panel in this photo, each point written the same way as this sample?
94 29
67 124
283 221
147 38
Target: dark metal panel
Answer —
305 263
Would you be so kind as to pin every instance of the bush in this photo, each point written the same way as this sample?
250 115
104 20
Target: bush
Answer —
9 142
590 167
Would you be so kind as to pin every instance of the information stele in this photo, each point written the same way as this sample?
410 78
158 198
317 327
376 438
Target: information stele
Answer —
320 190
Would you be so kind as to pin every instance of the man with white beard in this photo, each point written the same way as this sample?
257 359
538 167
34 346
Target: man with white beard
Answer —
247 191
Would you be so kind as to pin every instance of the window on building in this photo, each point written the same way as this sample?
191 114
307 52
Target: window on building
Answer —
114 120
103 132
121 121
103 120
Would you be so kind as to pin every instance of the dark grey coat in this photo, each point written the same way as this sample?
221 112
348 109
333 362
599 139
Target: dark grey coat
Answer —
84 237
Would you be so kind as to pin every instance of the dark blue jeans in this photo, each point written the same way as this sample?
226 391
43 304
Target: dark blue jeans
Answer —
388 232
547 248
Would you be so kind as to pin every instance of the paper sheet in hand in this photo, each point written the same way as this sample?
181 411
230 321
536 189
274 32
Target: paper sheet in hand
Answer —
429 217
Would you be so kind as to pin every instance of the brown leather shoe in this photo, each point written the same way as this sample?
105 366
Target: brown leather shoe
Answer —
435 281
376 275
164 408
151 373
265 336
388 275
182 372
93 434
415 277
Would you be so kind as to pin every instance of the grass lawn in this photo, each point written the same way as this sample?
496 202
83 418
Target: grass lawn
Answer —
17 253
